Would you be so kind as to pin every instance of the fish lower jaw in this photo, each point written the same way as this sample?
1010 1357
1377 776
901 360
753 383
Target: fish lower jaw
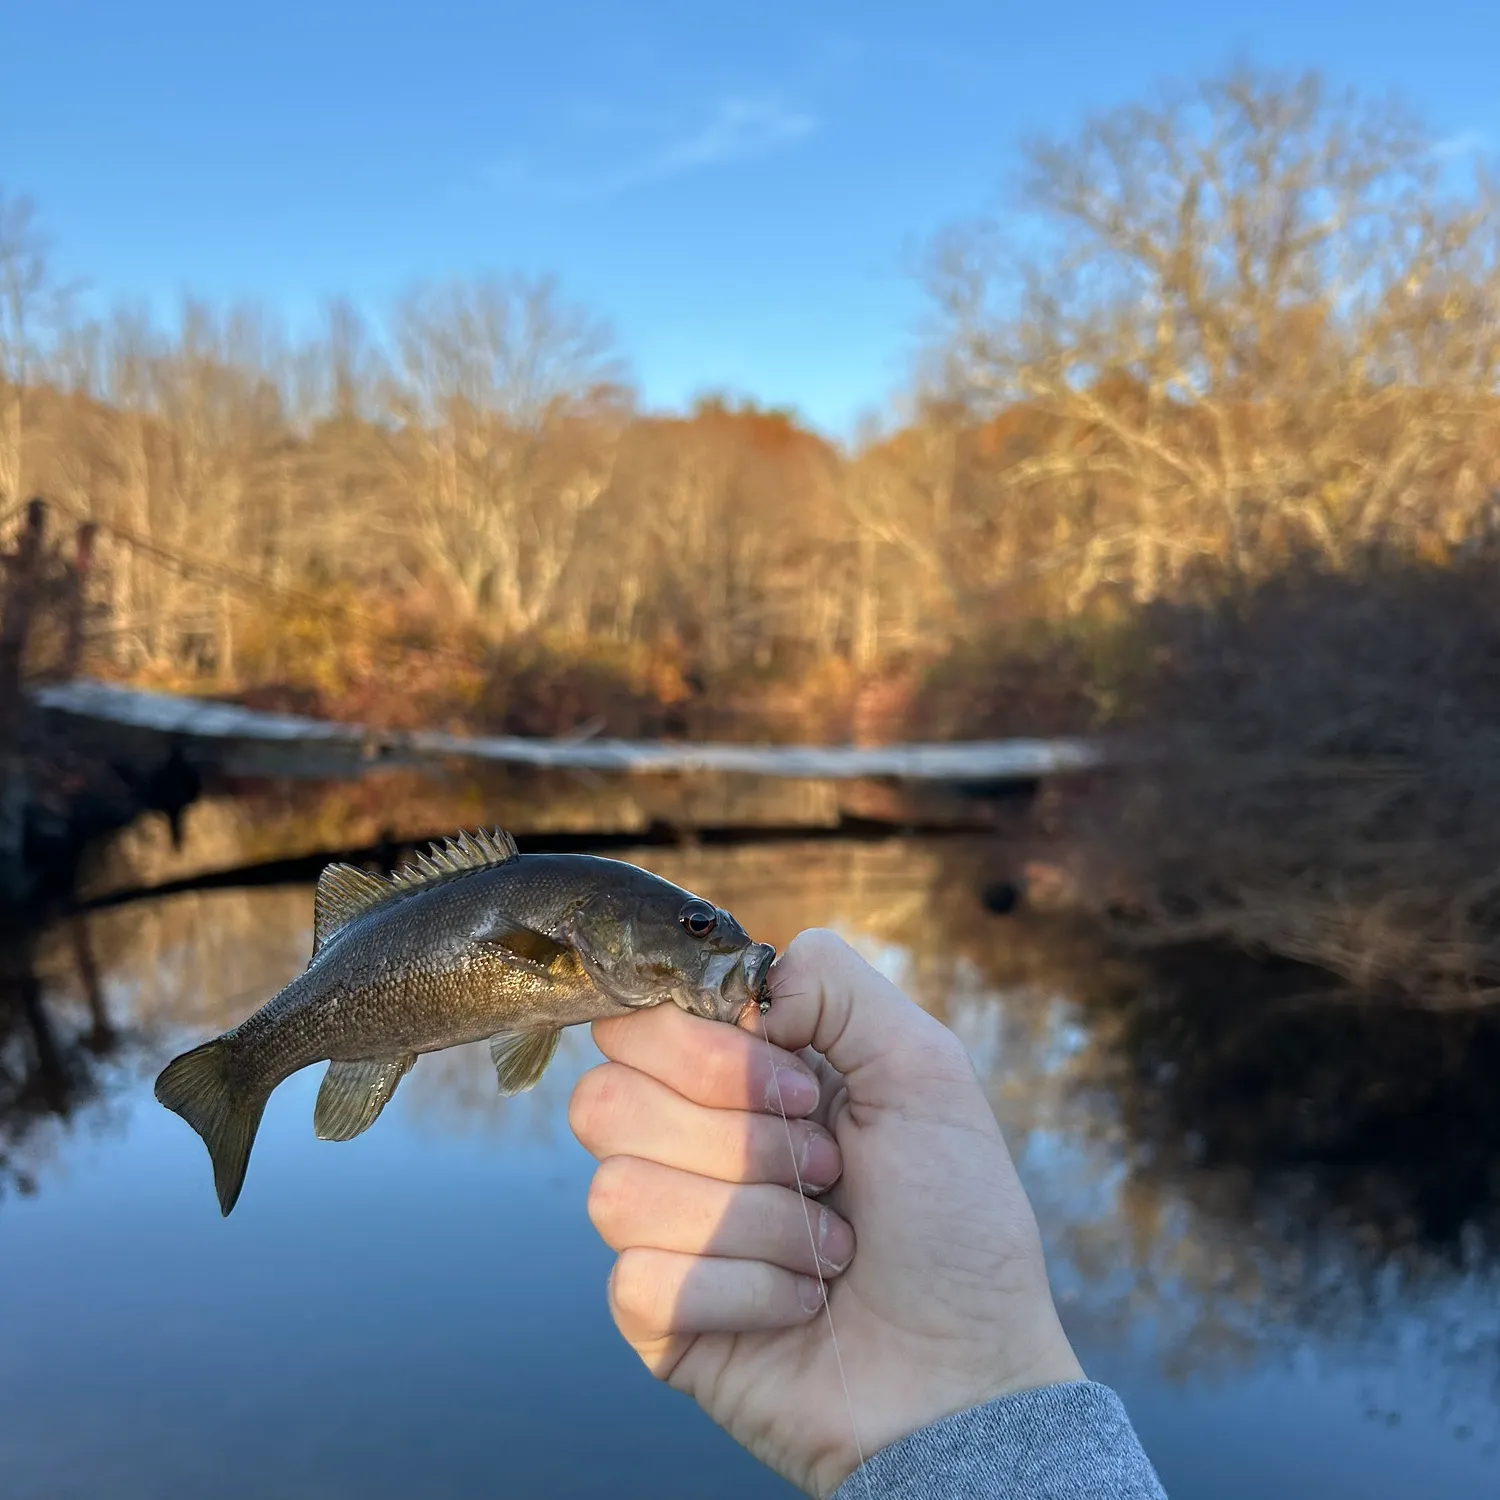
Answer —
712 1005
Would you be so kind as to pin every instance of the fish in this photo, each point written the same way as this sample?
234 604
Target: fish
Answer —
470 940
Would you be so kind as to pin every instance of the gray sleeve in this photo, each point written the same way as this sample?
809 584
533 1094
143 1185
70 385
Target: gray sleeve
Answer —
1062 1442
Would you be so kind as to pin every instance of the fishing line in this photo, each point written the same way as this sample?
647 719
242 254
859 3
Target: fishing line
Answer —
812 1240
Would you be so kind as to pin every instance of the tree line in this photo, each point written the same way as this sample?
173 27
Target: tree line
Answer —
1244 321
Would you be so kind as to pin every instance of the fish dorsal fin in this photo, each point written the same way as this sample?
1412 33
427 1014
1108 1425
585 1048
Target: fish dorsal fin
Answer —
459 855
343 893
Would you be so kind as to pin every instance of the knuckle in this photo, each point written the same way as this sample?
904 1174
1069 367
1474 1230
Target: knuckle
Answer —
609 1196
815 946
819 962
580 1104
637 1293
594 1104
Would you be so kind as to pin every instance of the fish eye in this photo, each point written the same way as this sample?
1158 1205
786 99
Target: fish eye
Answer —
699 918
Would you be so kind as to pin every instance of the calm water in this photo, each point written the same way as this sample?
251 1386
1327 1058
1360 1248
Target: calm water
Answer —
421 1311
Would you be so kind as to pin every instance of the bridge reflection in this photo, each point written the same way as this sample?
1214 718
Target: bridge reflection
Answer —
52 1051
1225 1166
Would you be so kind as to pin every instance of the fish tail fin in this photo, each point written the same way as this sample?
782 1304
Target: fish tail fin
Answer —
200 1087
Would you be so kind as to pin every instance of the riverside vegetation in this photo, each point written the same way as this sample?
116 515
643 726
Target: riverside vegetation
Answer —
1203 457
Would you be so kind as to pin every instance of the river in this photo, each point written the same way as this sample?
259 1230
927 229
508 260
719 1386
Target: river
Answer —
420 1312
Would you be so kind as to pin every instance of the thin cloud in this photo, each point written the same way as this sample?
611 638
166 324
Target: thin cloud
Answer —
737 130
1465 143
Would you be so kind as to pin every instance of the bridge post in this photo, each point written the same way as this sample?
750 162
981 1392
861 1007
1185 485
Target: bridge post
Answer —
78 597
22 569
22 574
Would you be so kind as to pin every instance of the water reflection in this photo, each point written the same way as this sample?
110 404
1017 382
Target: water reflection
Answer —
57 1052
1272 1225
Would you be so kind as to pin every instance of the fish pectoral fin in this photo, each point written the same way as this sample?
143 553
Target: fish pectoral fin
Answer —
354 1093
521 1057
523 942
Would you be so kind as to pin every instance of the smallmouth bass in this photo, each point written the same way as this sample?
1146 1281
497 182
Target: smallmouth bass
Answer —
471 940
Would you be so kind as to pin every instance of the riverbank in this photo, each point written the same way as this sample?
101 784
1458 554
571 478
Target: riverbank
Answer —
60 801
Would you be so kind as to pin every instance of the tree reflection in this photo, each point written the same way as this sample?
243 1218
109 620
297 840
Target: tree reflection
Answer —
1229 1166
92 1005
53 1050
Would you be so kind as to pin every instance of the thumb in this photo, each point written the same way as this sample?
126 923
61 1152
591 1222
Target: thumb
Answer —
825 996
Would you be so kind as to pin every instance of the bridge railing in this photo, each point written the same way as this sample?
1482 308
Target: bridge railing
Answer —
42 593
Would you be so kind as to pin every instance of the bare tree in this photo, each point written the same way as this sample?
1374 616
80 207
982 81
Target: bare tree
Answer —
1254 316
29 304
510 404
1245 320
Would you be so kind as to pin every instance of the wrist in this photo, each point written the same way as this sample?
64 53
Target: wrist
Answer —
915 1403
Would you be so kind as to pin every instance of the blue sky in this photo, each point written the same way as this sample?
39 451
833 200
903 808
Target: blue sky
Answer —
741 190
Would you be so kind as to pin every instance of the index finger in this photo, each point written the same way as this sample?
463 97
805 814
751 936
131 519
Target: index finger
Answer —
710 1062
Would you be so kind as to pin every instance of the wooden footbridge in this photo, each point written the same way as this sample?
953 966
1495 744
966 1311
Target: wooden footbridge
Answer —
211 736
138 750
232 740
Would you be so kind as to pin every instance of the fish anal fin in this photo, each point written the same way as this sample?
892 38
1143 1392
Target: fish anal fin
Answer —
353 1094
344 892
464 852
521 1057
521 941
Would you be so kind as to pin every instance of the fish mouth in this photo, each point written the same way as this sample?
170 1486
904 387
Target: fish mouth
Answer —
746 983
756 967
733 982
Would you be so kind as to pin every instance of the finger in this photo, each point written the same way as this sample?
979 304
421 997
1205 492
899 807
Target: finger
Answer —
617 1111
832 1092
709 1062
642 1204
660 1295
885 1046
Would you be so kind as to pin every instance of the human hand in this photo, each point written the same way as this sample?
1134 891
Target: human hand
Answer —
945 1304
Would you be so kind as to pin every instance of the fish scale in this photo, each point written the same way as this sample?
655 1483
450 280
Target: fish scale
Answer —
471 940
